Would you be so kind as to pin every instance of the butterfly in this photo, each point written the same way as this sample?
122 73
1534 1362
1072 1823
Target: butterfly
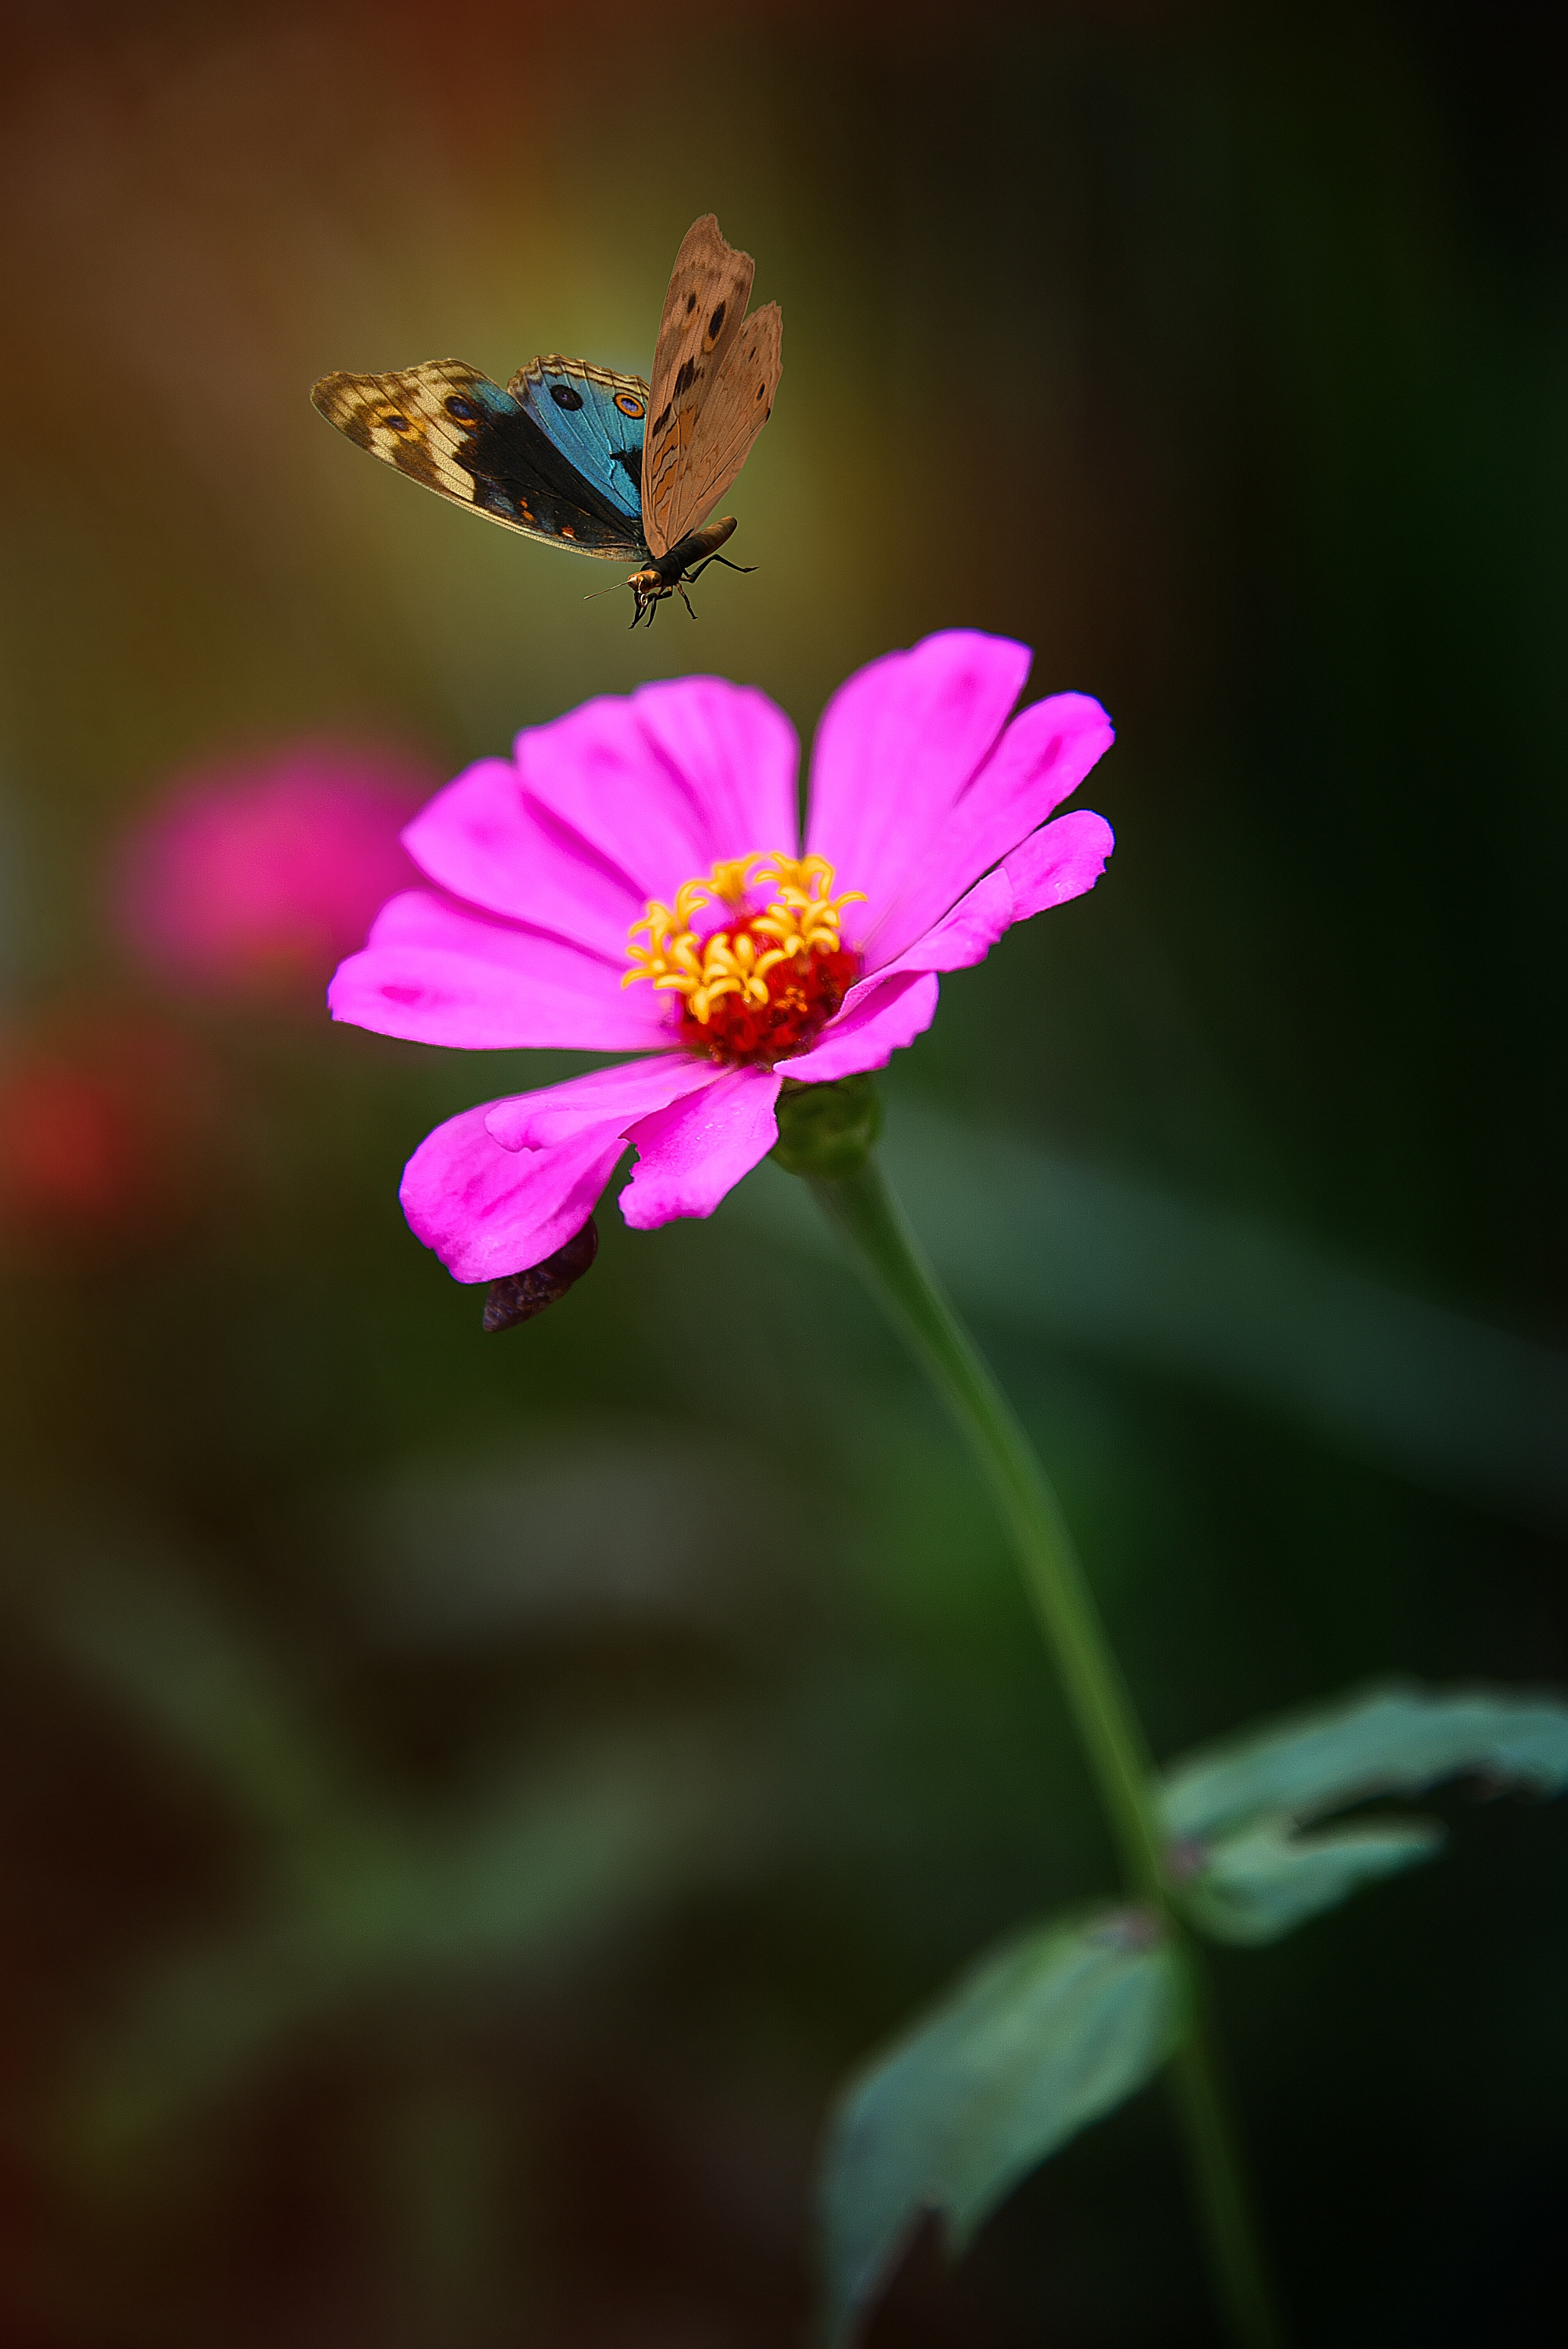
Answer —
577 455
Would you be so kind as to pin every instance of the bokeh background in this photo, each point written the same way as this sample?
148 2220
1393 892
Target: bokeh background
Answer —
466 1801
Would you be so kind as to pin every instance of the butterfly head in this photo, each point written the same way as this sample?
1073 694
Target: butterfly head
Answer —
672 573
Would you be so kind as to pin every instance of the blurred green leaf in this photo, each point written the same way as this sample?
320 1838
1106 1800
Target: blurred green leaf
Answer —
169 1655
524 1538
1044 2035
351 1897
1132 1271
1384 1741
1232 1811
574 1849
1261 1883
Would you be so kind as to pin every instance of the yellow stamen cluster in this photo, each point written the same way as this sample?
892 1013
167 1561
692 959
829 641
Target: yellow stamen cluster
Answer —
801 917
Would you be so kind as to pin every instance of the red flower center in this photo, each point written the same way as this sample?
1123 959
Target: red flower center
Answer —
765 984
804 992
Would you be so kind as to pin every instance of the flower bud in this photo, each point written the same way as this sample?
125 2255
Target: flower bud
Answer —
827 1130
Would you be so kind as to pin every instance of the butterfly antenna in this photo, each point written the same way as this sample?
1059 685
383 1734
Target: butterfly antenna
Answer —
593 599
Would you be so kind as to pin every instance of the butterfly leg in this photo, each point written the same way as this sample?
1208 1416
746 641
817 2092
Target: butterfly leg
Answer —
695 575
685 599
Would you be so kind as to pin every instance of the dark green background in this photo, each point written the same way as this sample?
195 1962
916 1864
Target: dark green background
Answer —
1219 353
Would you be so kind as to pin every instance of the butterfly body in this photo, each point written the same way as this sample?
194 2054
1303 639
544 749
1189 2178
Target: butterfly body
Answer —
579 456
672 573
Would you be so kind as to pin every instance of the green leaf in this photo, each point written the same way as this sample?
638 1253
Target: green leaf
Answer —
1044 2035
1263 1880
1233 1812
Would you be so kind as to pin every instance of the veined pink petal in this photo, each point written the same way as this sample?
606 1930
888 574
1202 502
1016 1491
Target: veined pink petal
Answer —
690 1155
895 749
615 1097
487 1211
879 1018
737 753
437 975
1043 757
486 841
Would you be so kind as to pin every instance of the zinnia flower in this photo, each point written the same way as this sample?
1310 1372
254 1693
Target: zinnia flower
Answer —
631 879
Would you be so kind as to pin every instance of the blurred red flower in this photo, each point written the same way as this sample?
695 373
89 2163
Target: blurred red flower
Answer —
255 877
108 1120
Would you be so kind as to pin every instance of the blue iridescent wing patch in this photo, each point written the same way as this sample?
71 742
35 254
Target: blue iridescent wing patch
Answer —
449 427
595 417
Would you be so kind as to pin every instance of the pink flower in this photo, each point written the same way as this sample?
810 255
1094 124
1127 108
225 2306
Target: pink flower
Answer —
257 876
631 880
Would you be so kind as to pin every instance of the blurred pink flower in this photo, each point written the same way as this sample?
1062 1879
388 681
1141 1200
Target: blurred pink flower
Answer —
256 876
655 839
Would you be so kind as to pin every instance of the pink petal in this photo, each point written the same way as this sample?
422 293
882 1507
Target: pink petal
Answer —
487 1211
437 975
1043 757
1059 861
484 839
689 1155
616 1097
879 1018
617 802
896 747
965 936
737 753
662 784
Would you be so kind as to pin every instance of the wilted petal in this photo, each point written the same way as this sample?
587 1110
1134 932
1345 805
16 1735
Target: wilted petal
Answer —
487 1211
689 1155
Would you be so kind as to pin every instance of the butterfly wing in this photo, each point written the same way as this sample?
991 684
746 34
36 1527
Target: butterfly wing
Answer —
710 285
449 427
738 404
595 417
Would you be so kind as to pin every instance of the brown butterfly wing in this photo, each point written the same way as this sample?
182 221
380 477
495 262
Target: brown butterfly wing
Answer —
737 407
710 285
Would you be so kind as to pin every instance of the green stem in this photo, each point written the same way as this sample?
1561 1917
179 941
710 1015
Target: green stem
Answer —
865 1211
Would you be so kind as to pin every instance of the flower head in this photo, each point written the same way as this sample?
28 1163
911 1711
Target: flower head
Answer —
631 880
